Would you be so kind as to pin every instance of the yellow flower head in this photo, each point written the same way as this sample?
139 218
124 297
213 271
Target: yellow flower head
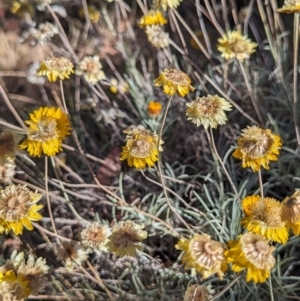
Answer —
93 13
208 110
94 237
32 271
290 7
154 108
252 252
91 68
256 147
116 86
290 212
174 80
22 8
13 287
165 4
8 145
7 170
125 238
55 67
72 253
18 208
153 17
262 216
47 128
141 149
196 293
234 45
157 36
204 254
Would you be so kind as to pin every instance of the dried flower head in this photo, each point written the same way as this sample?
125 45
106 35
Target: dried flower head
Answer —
72 253
197 293
234 45
204 254
41 4
32 76
157 36
262 216
94 237
55 67
290 7
7 170
252 252
33 271
174 80
45 32
141 149
47 128
91 68
125 238
13 287
18 208
208 110
154 108
93 13
8 145
256 147
165 4
118 86
290 212
152 17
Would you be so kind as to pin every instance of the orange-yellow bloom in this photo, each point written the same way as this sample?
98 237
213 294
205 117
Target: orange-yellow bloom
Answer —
204 254
262 216
256 147
290 7
290 212
174 80
253 253
47 128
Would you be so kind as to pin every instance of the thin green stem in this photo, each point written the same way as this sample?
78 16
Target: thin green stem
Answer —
223 165
295 82
47 196
261 184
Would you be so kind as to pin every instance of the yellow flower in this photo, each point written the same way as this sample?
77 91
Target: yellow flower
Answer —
55 67
154 108
234 45
153 17
256 147
93 13
72 253
165 4
204 254
116 86
94 237
157 37
18 208
13 287
174 80
47 128
208 111
252 252
141 149
290 7
32 271
125 238
8 145
262 216
91 68
21 8
290 212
